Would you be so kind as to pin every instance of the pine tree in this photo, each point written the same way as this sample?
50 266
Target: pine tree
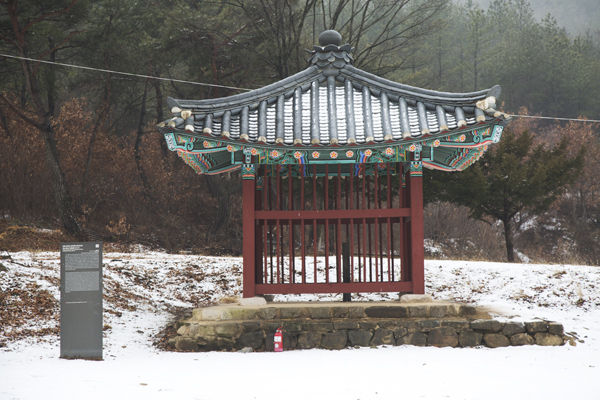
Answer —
514 177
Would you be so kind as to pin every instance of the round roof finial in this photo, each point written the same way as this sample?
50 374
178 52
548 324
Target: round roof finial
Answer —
330 37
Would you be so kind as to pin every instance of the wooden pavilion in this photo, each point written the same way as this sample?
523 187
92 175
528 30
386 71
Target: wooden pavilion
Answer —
331 160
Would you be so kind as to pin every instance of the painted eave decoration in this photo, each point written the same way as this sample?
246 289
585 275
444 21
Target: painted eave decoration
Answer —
334 113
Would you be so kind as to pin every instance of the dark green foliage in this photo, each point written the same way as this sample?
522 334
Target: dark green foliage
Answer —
122 165
516 176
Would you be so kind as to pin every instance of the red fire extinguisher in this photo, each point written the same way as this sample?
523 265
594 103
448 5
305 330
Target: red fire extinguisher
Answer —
278 340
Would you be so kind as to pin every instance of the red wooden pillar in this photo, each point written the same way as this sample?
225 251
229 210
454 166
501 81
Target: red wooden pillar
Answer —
416 228
248 203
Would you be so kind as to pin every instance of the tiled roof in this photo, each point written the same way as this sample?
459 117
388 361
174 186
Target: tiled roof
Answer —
332 103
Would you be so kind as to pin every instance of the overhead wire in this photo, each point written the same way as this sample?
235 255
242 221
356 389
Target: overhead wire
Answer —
555 118
109 71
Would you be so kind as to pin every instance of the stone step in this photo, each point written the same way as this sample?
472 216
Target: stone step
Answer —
338 333
334 310
332 325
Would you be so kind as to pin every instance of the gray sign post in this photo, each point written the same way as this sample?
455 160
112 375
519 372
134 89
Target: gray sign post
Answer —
81 300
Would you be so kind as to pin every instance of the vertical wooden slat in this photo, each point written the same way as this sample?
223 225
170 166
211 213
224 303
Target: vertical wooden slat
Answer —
325 207
258 246
314 206
278 207
291 226
376 203
364 228
265 262
338 232
390 254
369 225
266 228
248 207
302 244
351 222
416 233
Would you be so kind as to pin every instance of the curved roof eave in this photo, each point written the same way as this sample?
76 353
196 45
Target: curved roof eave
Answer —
253 96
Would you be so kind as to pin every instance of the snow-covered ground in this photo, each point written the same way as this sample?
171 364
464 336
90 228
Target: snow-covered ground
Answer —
143 289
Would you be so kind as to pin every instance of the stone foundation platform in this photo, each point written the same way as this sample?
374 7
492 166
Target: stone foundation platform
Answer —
341 325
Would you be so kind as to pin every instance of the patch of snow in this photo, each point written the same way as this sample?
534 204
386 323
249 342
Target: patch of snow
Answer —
143 288
432 248
522 257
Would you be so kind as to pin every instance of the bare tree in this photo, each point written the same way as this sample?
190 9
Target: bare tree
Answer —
41 90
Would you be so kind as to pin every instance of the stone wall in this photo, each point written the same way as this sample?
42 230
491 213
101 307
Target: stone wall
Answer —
337 327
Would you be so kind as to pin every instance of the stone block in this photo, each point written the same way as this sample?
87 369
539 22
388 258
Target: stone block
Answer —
547 339
469 338
356 312
290 340
427 324
345 324
411 325
270 326
293 326
293 312
386 312
383 336
458 324
454 310
228 330
319 312
250 326
185 343
360 337
318 326
416 298
241 313
309 340
252 301
418 311
536 326
521 339
443 337
465 310
415 339
217 313
268 313
512 328
494 340
438 310
339 312
254 340
487 325
224 343
388 323
399 331
555 328
366 324
184 330
334 340
201 331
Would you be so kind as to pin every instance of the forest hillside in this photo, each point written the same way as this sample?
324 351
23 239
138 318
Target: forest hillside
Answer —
81 158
